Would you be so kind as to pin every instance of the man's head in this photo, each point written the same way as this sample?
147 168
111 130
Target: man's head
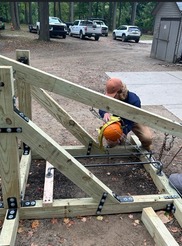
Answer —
116 88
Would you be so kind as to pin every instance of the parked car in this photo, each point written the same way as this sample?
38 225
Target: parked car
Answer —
103 25
56 27
2 24
32 28
126 33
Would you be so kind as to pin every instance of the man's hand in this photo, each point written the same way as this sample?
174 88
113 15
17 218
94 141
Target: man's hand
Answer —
107 117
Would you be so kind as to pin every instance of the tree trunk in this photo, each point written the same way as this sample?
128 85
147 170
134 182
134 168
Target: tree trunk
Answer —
15 23
114 15
71 11
90 9
44 21
30 13
133 14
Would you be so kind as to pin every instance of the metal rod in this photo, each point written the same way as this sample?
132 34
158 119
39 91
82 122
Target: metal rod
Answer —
112 155
120 164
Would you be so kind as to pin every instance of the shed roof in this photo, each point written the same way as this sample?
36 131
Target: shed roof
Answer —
159 5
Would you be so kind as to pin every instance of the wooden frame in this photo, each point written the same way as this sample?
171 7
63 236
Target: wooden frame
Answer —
14 172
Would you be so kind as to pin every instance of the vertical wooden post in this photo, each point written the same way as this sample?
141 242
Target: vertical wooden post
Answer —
9 161
23 89
25 106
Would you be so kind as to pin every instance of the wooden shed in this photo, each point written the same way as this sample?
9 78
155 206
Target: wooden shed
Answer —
167 39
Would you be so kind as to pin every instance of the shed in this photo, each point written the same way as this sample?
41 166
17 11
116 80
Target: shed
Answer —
167 37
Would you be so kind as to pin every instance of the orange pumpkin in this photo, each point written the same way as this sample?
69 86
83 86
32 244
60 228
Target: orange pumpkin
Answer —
113 132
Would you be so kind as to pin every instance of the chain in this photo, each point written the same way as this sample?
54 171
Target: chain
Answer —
95 113
167 145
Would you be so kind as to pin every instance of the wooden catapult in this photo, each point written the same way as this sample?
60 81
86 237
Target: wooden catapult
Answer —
18 80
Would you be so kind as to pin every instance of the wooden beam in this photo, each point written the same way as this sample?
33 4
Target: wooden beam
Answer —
48 185
157 229
36 77
87 206
9 231
25 163
9 161
162 183
64 118
23 88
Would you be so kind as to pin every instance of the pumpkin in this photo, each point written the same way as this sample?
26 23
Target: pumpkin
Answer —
113 132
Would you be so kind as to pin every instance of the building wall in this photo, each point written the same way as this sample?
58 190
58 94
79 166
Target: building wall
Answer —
166 10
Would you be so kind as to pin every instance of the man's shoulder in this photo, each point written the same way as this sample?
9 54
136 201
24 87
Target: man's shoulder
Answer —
133 98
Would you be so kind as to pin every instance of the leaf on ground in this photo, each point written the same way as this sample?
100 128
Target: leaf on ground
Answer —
30 233
136 222
130 216
174 229
100 217
35 224
20 230
84 219
34 244
54 221
164 216
66 220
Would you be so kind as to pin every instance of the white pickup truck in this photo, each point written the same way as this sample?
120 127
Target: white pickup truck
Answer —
85 28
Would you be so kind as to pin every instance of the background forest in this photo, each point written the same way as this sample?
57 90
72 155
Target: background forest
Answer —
114 13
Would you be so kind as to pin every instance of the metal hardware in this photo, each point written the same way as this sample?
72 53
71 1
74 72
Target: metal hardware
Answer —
1 84
21 114
101 204
171 208
28 203
26 149
11 130
49 174
167 145
12 204
1 205
89 148
123 198
23 59
171 197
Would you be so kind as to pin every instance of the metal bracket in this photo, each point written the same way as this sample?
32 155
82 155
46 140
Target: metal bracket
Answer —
123 198
23 59
11 130
89 148
21 114
28 203
1 205
171 208
26 149
12 204
171 197
101 204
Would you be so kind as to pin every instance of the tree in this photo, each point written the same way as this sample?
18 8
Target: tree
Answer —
133 14
44 21
14 15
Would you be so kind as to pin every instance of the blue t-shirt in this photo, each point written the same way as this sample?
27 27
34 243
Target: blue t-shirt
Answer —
132 99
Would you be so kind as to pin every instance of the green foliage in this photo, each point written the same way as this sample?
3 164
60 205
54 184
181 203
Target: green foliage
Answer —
144 18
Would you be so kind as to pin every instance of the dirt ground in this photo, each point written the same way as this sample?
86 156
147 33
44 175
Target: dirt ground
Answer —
85 62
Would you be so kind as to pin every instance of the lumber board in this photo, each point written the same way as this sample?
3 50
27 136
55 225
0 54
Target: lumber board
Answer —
9 231
162 184
157 229
87 206
48 186
25 163
36 77
51 151
63 117
9 161
23 89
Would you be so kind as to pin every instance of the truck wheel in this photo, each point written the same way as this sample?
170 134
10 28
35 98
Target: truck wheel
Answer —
64 36
81 35
96 38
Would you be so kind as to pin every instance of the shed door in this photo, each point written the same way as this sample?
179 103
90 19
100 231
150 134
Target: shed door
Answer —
167 39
